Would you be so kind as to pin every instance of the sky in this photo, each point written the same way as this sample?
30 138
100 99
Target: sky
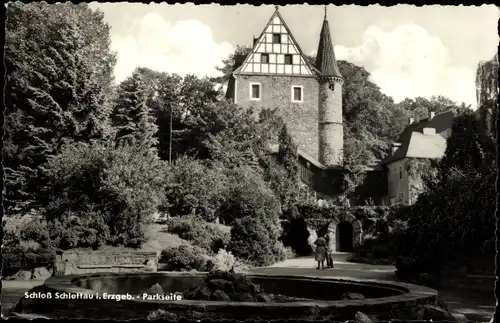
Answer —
409 51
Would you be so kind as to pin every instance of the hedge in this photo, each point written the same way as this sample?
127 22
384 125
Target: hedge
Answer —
16 259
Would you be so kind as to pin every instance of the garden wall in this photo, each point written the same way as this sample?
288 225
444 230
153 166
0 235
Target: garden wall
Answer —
82 262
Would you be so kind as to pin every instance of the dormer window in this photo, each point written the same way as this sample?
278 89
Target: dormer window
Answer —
277 38
288 59
264 58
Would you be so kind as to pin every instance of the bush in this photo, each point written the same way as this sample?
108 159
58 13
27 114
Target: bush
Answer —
194 187
202 234
313 236
121 186
224 260
83 230
29 231
249 196
283 252
252 241
16 259
185 258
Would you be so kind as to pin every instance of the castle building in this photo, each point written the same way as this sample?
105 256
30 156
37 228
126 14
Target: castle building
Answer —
308 95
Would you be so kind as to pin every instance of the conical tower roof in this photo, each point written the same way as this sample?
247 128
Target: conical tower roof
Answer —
325 59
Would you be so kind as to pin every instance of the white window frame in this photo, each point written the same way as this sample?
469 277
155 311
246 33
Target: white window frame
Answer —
301 93
251 92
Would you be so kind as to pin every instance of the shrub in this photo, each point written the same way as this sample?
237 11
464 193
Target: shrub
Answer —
29 231
312 238
16 259
194 187
249 196
251 240
200 233
185 258
283 252
224 260
121 186
73 230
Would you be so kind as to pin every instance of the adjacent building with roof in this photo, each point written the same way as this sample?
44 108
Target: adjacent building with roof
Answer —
425 139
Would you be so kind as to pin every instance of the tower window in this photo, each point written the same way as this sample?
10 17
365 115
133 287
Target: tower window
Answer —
400 173
297 93
277 38
288 59
264 58
255 91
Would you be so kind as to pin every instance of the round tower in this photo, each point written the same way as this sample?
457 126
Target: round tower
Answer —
330 127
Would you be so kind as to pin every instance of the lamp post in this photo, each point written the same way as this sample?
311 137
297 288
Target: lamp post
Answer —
170 136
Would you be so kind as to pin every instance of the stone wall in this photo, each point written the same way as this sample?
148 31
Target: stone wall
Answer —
276 92
82 262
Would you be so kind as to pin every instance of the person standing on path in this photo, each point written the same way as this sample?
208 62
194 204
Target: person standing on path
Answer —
320 253
329 248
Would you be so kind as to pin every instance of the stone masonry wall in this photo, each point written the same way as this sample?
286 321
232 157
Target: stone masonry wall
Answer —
83 262
301 118
331 132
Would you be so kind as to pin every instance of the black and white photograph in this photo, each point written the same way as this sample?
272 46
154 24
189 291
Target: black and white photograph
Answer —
263 162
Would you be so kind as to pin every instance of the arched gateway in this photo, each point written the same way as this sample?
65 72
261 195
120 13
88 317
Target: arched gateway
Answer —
347 231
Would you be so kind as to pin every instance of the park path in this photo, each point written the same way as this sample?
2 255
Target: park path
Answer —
464 305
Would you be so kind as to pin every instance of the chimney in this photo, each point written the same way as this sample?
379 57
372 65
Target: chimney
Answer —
411 120
395 147
429 131
255 39
431 115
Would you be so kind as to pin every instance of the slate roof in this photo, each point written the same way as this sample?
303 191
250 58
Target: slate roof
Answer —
415 144
325 59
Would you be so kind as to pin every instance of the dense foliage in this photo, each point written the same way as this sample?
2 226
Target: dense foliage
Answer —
202 234
100 194
185 258
58 86
455 218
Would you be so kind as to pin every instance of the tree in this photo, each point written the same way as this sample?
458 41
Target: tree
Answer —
59 73
487 95
419 107
228 65
192 184
132 118
455 217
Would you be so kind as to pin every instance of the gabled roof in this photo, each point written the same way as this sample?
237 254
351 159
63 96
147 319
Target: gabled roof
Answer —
414 144
306 62
325 59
